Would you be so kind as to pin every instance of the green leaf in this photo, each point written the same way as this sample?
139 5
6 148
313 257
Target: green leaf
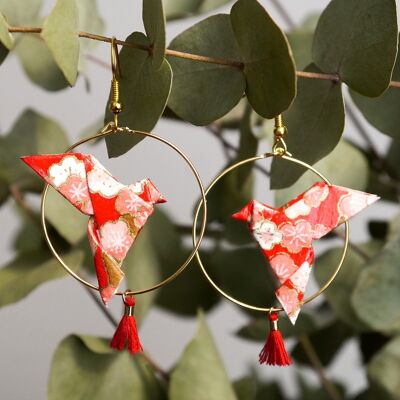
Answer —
60 33
338 295
245 388
326 342
29 236
268 62
154 25
382 112
65 218
80 369
335 167
200 374
315 124
39 65
384 366
190 286
300 40
144 94
203 92
376 295
5 37
3 53
31 134
258 328
245 274
21 12
30 269
142 270
175 9
362 48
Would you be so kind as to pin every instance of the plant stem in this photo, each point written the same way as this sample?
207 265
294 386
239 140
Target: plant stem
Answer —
312 355
188 56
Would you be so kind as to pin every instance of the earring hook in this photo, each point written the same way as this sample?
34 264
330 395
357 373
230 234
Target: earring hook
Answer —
115 105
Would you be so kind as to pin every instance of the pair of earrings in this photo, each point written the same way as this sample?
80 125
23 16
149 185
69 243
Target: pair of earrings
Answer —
118 212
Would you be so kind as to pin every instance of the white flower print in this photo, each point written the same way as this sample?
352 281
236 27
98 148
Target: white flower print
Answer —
116 239
267 234
69 165
296 236
101 181
283 266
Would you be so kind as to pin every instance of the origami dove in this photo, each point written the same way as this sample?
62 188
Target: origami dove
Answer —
117 212
285 234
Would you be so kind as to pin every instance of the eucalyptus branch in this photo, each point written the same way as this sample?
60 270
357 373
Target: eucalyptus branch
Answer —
19 199
180 54
312 355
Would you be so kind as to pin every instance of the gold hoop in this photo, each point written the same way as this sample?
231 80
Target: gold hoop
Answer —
111 129
203 269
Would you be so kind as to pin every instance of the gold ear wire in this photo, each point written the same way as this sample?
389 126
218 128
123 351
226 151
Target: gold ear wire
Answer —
279 147
115 105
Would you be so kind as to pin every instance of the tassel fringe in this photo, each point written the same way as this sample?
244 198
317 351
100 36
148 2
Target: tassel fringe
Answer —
274 352
126 334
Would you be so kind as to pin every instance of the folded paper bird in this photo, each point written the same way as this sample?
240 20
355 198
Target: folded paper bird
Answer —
117 212
285 234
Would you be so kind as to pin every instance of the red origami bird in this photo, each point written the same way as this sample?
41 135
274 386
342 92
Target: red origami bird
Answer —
285 234
117 212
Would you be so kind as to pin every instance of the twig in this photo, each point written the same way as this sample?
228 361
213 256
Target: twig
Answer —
312 355
20 200
188 56
353 246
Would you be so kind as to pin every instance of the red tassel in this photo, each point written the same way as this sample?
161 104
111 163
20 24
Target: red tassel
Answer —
126 333
274 352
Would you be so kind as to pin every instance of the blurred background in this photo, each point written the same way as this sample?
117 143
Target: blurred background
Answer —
32 328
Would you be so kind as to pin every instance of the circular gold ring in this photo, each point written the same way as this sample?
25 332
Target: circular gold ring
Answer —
108 130
203 269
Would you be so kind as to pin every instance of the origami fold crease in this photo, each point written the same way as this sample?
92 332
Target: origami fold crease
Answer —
117 212
285 234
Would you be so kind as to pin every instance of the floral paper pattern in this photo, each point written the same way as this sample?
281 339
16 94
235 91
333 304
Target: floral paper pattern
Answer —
285 234
117 212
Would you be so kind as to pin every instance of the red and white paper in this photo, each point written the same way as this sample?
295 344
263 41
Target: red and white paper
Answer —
285 234
117 212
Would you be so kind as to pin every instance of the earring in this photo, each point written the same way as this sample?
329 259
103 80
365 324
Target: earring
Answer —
117 212
285 235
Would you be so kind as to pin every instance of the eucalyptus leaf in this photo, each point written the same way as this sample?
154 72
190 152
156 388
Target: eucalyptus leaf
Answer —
339 294
29 270
191 286
60 33
315 124
258 328
383 369
244 273
245 388
326 342
200 374
21 12
382 112
362 48
301 39
3 53
268 61
81 367
39 65
175 9
32 133
376 296
5 37
335 167
144 94
154 24
65 218
203 92
142 270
